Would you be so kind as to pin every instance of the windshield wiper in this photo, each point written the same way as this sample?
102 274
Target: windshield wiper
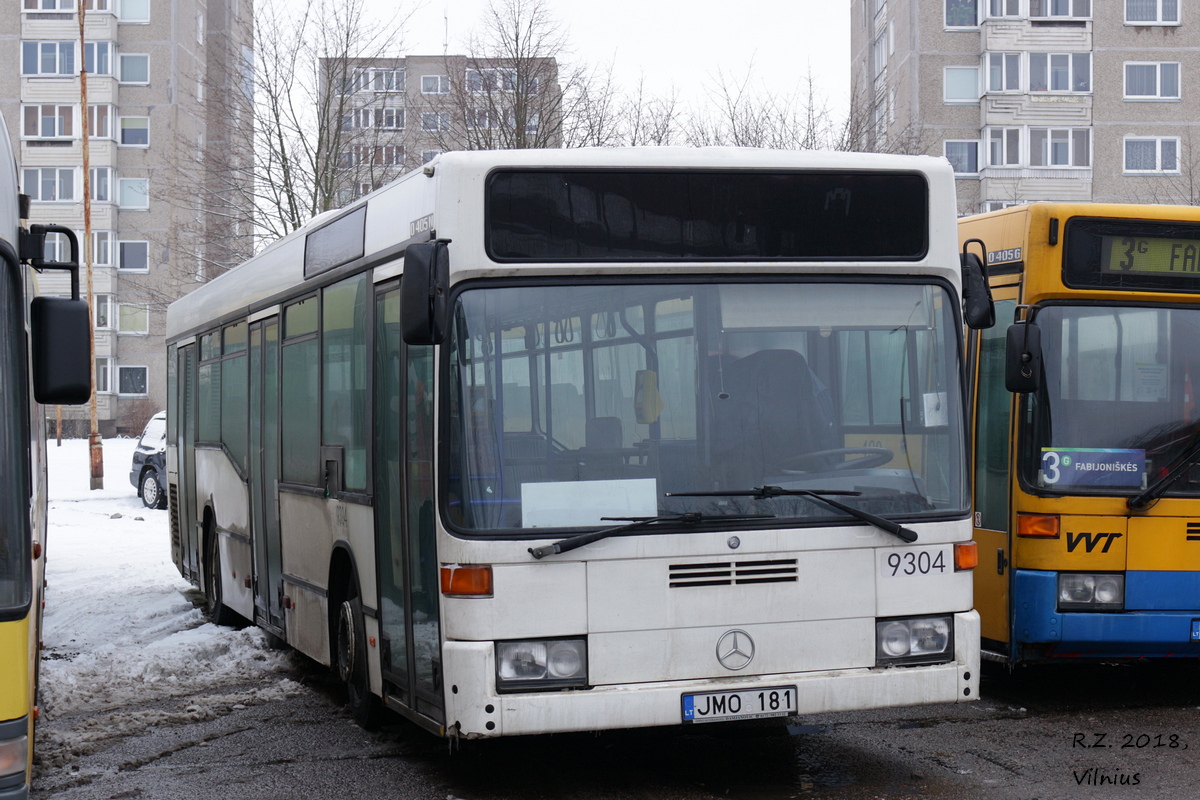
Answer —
765 492
1157 489
690 518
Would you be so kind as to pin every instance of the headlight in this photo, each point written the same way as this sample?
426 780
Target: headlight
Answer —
915 640
1082 591
536 664
14 755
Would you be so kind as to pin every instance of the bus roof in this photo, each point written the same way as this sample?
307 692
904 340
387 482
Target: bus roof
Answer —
407 210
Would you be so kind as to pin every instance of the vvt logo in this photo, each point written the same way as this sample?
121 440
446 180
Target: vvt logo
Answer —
1091 541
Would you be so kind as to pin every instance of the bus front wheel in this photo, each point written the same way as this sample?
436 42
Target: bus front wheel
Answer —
214 607
351 663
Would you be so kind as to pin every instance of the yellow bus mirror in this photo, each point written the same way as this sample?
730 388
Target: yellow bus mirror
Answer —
647 402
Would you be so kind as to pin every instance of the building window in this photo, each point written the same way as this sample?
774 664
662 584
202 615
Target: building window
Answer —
133 192
961 84
103 376
961 14
48 58
1151 81
879 54
1004 8
98 5
434 121
1152 12
49 184
104 305
1060 147
100 184
389 119
135 131
1060 72
131 380
134 256
99 121
1004 72
429 155
102 248
963 156
1004 147
492 80
435 84
97 58
133 318
387 80
1062 9
134 11
49 5
135 68
48 121
1152 154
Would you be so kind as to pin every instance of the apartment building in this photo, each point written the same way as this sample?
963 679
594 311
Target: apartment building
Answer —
1076 100
163 163
390 115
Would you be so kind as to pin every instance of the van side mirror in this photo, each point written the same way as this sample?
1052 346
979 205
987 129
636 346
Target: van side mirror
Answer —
424 292
978 308
1023 358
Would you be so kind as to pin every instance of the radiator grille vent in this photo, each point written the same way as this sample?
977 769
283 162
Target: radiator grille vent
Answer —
733 573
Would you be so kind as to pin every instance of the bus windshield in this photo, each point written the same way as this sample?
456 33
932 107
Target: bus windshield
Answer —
1117 407
574 403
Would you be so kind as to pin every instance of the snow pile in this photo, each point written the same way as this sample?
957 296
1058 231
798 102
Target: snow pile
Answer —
122 628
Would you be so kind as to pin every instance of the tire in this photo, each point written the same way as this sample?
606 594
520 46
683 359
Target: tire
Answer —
214 609
152 494
350 662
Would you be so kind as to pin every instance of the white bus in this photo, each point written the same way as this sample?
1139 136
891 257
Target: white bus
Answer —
538 441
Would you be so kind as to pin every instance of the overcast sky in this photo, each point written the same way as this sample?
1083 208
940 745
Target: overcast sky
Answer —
674 43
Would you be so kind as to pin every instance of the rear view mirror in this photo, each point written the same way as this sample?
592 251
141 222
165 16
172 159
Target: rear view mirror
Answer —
62 370
424 290
978 309
1023 359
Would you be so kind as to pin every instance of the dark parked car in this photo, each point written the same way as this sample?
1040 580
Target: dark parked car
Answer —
149 472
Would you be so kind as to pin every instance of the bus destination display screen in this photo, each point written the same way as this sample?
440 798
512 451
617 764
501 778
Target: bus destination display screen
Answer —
1132 255
1153 255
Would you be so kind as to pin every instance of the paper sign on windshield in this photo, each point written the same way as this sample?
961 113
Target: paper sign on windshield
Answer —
1081 466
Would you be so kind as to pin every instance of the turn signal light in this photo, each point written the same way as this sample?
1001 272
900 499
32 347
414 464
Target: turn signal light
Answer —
1037 526
467 580
966 556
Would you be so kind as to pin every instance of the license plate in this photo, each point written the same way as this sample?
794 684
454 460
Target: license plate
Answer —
775 701
1196 630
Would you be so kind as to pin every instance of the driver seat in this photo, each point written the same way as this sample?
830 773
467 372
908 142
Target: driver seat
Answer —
768 416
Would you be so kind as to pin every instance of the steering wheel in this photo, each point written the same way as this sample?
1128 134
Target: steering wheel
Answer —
818 461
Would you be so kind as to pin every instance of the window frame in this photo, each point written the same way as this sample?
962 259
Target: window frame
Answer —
95 183
1158 155
946 83
1073 13
1159 97
1008 63
60 125
64 58
124 368
120 320
443 82
60 171
1005 145
1158 8
121 132
122 183
121 60
1072 80
120 265
132 20
974 143
1072 144
965 5
103 303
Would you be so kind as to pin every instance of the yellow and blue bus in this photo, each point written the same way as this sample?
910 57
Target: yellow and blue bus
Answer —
43 359
1087 433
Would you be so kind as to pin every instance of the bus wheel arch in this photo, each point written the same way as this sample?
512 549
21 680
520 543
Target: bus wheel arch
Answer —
348 640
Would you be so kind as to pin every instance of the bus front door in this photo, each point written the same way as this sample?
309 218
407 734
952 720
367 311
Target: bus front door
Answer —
264 473
409 589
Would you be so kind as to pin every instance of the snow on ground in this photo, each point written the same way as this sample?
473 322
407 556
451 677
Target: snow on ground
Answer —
122 628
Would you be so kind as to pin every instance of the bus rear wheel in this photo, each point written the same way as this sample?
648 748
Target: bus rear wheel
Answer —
214 608
351 664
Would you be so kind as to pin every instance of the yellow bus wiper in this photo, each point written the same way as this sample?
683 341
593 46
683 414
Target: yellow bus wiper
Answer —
765 492
690 518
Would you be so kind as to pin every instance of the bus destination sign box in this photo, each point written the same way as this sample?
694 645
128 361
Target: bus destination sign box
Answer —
1152 255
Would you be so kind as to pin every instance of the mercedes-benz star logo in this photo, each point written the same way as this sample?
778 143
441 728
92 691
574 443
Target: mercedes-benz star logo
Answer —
735 649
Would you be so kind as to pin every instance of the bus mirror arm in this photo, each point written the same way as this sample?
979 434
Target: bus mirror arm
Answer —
1023 357
424 292
978 308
